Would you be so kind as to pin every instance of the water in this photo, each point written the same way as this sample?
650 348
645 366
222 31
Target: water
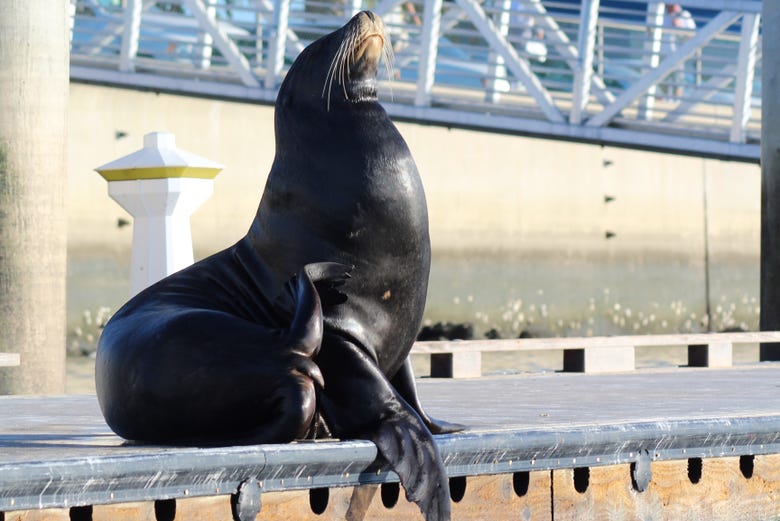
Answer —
543 294
585 295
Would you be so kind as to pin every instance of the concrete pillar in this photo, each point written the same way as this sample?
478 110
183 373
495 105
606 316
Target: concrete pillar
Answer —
34 62
770 178
160 186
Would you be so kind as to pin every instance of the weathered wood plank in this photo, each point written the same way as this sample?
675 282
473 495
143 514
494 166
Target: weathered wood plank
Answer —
721 492
535 344
48 514
599 359
497 496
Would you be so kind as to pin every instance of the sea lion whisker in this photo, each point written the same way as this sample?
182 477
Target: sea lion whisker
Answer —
389 58
336 68
333 69
326 86
346 50
344 64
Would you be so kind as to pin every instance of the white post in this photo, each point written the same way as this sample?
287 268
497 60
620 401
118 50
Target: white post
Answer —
160 186
496 77
205 40
132 28
278 42
589 17
652 54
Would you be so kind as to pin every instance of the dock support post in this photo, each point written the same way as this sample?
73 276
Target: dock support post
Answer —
717 354
599 359
456 365
770 179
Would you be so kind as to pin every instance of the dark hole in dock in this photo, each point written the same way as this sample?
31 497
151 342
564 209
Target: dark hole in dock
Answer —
581 479
318 500
165 509
746 465
520 482
83 513
457 488
694 469
390 493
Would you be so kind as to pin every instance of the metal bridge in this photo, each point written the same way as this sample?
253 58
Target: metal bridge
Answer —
601 71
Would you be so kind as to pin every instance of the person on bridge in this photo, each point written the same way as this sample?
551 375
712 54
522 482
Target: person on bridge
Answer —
676 18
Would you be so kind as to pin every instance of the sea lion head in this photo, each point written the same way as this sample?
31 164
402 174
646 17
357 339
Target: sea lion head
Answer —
340 67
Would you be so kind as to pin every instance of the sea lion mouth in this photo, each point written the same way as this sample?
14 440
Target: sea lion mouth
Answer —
354 64
370 48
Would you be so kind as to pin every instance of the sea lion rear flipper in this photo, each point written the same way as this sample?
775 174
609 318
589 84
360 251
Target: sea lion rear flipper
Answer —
405 442
359 402
404 383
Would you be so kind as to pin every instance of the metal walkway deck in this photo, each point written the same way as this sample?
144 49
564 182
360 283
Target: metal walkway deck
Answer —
57 452
601 71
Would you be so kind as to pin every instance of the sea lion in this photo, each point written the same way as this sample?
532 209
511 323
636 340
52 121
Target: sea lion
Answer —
305 325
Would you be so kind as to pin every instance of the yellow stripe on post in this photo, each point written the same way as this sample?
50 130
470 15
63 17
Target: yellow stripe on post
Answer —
159 172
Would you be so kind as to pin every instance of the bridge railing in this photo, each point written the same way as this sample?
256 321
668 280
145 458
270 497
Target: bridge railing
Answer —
599 71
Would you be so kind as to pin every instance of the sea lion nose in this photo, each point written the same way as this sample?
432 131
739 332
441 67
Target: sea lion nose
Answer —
372 19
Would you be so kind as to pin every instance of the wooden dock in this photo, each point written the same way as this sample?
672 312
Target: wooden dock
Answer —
660 444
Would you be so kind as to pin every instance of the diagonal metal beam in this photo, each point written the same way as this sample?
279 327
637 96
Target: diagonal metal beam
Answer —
724 77
702 93
229 50
560 41
746 69
666 67
514 62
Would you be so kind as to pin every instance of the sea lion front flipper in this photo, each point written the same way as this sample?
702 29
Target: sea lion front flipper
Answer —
359 402
404 383
328 277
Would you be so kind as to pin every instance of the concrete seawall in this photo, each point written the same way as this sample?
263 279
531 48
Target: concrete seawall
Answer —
485 191
525 199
